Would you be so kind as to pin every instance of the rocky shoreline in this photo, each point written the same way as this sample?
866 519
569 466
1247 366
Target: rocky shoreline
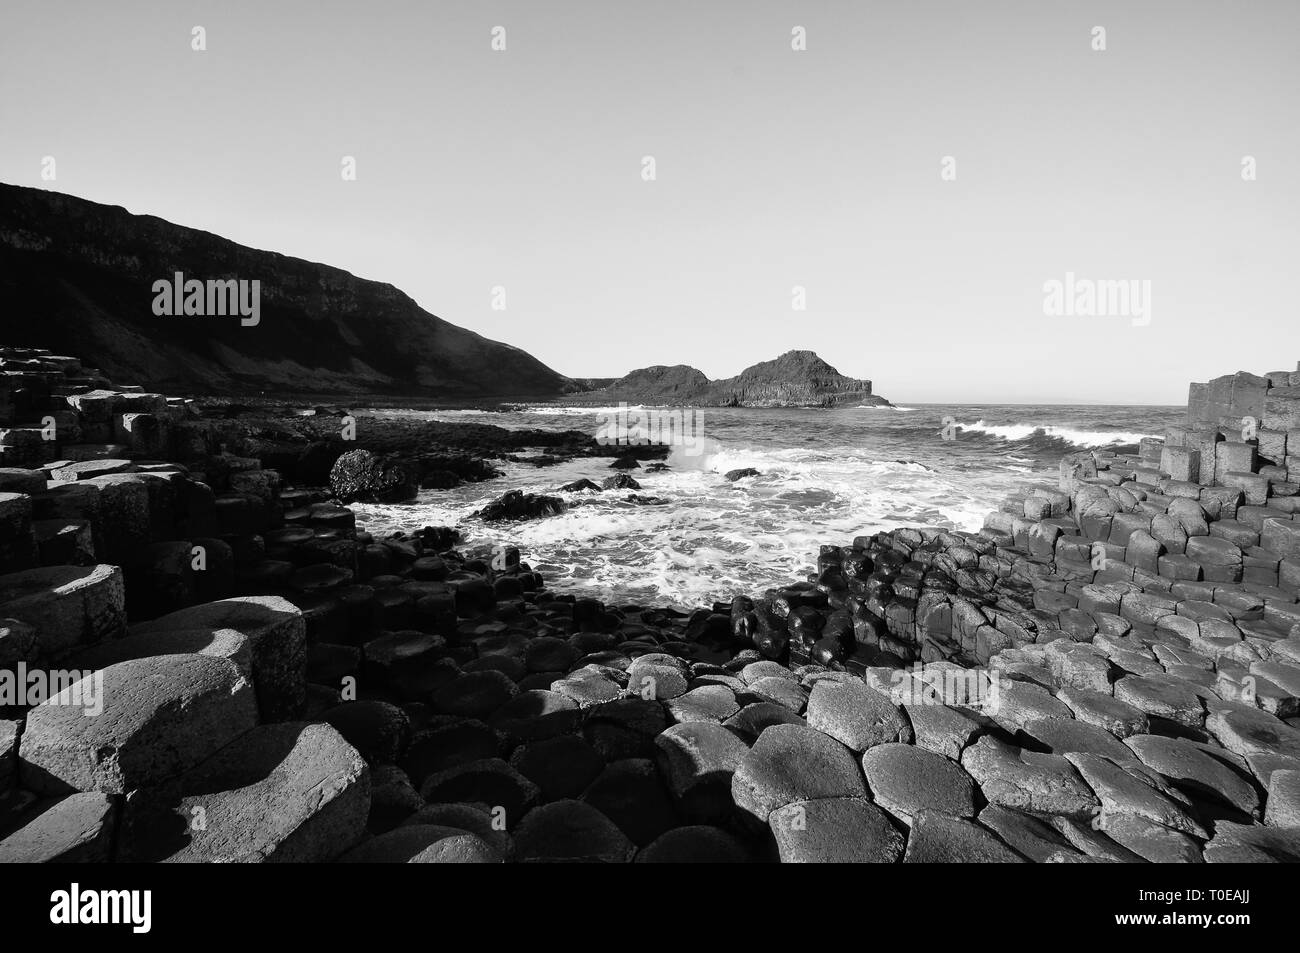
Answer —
1109 671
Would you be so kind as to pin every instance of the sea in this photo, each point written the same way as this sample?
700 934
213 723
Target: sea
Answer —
824 477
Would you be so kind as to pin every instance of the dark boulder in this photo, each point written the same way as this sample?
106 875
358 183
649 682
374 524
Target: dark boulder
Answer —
358 476
518 505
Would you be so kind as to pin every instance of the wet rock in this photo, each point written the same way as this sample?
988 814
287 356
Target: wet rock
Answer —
516 505
360 476
742 473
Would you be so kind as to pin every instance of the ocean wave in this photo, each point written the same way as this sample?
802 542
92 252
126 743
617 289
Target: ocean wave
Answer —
1016 433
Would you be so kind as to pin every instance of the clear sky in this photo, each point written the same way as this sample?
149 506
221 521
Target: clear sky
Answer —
774 168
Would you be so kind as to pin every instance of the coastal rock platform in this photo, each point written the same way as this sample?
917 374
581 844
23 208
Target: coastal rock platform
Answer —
1108 671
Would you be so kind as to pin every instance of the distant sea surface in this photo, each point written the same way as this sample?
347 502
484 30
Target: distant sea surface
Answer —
825 476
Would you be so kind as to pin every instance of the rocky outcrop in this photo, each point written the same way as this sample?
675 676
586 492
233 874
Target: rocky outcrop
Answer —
795 379
77 276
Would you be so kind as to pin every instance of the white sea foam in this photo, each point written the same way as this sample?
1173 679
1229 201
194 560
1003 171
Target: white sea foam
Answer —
1083 438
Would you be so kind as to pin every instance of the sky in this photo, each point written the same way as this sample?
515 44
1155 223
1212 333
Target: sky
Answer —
517 176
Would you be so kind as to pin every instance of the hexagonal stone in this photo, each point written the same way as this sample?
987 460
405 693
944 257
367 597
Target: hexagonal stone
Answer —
906 780
694 844
218 643
290 792
1151 841
534 715
1027 835
624 728
491 781
378 730
393 798
752 720
1251 731
1085 837
68 607
698 759
657 676
474 694
789 763
423 844
561 767
1105 711
835 830
941 729
856 715
1026 780
1079 666
587 688
1019 703
1194 771
76 830
446 744
785 692
714 703
1064 735
632 795
277 636
764 669
571 831
938 839
1134 790
471 818
160 716
409 663
1244 844
1283 805
549 654
1162 698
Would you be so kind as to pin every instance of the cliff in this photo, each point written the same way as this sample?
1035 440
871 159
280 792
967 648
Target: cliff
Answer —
78 278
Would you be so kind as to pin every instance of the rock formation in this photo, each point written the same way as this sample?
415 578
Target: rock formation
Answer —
795 379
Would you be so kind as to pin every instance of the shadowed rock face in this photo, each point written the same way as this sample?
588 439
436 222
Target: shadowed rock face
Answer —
77 277
795 379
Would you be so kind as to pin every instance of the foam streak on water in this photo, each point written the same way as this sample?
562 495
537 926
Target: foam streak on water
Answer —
824 477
